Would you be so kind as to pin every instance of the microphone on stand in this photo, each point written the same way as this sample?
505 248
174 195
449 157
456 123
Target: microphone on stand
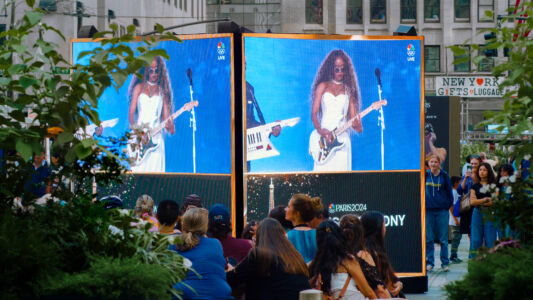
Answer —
192 121
378 75
381 119
189 74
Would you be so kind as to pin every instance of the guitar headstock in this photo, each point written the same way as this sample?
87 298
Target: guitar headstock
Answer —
378 104
190 105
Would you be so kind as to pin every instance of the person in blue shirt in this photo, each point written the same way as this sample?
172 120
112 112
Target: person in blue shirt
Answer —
38 184
300 212
208 280
439 199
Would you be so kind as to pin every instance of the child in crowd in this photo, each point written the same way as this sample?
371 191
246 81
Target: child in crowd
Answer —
167 215
144 210
454 221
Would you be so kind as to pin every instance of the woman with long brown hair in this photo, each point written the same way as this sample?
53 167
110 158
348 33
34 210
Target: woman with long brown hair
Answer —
374 228
273 269
481 197
336 99
151 103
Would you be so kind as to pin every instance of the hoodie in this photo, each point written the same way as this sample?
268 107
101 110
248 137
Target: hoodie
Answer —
438 191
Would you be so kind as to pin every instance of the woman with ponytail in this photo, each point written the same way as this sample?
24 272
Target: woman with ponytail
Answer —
334 270
353 233
208 281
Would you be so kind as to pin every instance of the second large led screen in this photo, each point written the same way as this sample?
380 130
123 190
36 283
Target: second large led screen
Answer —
315 104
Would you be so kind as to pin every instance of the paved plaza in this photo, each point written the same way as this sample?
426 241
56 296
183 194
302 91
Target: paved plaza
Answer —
437 279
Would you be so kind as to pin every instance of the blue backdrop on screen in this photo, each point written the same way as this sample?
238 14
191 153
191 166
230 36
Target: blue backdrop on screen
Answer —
211 74
282 72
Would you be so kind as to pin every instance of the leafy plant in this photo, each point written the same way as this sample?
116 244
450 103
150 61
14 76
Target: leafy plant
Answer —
516 73
496 276
76 248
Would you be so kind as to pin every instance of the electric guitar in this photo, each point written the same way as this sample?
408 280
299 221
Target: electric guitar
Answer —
258 144
321 150
139 145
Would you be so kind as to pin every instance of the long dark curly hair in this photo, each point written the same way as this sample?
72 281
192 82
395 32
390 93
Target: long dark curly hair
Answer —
331 252
375 244
163 81
325 74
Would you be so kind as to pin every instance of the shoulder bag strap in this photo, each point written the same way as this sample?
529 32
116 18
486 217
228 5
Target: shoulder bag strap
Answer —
343 291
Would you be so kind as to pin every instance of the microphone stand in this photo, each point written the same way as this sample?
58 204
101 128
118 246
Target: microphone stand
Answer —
192 123
381 121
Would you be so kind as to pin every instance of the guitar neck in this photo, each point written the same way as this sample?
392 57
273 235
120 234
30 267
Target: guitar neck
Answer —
159 127
348 124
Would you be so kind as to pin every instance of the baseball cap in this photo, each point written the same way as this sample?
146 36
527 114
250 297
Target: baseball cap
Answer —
190 200
219 213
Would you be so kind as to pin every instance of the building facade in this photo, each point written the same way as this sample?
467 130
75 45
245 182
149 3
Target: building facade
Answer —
74 18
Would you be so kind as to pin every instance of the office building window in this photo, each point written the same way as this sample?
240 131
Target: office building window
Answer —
432 58
464 61
486 63
432 10
185 5
408 11
483 6
314 11
462 10
354 12
378 11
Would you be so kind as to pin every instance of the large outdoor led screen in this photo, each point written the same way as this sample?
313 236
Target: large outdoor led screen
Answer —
332 103
184 103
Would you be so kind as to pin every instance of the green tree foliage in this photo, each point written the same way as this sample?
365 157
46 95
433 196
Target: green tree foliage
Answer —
516 72
76 248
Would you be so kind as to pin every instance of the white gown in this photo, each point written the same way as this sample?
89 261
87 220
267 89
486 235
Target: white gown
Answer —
334 110
149 112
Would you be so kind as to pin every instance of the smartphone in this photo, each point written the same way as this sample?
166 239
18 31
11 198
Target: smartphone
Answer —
469 168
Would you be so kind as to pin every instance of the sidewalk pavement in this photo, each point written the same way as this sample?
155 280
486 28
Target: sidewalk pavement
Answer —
437 278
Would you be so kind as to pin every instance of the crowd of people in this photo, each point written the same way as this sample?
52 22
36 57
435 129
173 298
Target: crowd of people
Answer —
297 247
460 204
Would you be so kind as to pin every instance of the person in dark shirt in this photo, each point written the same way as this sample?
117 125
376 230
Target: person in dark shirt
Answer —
235 250
251 121
439 199
273 269
38 184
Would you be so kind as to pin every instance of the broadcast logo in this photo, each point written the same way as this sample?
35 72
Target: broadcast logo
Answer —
221 50
351 207
410 52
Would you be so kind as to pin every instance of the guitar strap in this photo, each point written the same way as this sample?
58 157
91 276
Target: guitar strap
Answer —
254 101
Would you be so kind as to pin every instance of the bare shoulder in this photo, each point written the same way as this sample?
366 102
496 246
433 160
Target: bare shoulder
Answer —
365 255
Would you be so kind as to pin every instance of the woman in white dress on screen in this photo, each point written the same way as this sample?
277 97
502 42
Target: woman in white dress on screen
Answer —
151 104
336 99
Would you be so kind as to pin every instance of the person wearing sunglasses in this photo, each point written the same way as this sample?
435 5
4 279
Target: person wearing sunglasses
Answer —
151 104
335 99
